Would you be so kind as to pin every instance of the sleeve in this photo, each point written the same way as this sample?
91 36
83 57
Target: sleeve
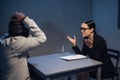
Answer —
35 31
37 36
76 49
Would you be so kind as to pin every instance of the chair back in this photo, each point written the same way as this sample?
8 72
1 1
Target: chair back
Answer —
114 55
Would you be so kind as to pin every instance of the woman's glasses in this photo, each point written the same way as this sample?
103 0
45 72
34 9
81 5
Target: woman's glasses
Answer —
84 29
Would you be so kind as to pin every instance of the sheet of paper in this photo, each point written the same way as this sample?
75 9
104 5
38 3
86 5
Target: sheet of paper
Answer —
73 57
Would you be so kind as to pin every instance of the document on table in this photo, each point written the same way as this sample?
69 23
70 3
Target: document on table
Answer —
73 57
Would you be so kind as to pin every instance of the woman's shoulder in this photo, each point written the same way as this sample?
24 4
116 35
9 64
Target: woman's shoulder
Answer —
99 37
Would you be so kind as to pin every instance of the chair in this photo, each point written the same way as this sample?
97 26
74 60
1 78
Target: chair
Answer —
114 55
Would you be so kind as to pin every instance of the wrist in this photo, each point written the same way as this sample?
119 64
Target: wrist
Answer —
90 46
74 44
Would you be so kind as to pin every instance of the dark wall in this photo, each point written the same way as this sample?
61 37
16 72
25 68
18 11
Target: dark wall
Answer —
119 14
57 18
105 14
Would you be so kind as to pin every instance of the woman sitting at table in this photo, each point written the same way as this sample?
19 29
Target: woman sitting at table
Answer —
95 47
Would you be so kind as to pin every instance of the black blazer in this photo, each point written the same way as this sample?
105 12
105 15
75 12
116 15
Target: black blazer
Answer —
98 52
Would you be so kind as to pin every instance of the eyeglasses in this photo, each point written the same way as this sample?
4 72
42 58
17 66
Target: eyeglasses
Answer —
84 29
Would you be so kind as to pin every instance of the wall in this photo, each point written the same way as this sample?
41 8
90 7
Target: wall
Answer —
57 18
105 14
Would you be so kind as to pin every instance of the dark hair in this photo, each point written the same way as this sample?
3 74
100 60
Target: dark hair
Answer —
17 28
91 24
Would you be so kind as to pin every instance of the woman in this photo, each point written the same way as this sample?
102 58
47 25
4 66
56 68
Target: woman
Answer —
95 47
16 44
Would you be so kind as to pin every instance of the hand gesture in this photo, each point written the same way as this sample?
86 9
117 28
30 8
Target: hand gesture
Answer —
89 43
72 40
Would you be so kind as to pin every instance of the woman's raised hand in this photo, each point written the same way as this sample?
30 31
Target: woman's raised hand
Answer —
72 40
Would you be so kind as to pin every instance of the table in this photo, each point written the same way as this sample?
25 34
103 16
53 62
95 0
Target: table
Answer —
51 66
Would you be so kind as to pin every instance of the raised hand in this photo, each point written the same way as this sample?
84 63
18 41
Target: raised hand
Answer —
72 40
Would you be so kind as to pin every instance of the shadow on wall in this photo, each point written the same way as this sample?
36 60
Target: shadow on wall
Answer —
56 38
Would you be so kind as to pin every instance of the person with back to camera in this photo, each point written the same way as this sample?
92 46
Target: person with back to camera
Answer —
95 47
23 35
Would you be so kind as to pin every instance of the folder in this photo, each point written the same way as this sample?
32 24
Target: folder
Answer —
73 57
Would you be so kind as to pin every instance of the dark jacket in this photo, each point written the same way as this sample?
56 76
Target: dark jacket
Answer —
98 52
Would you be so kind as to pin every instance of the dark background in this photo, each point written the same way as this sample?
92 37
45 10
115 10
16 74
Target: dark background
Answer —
59 18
